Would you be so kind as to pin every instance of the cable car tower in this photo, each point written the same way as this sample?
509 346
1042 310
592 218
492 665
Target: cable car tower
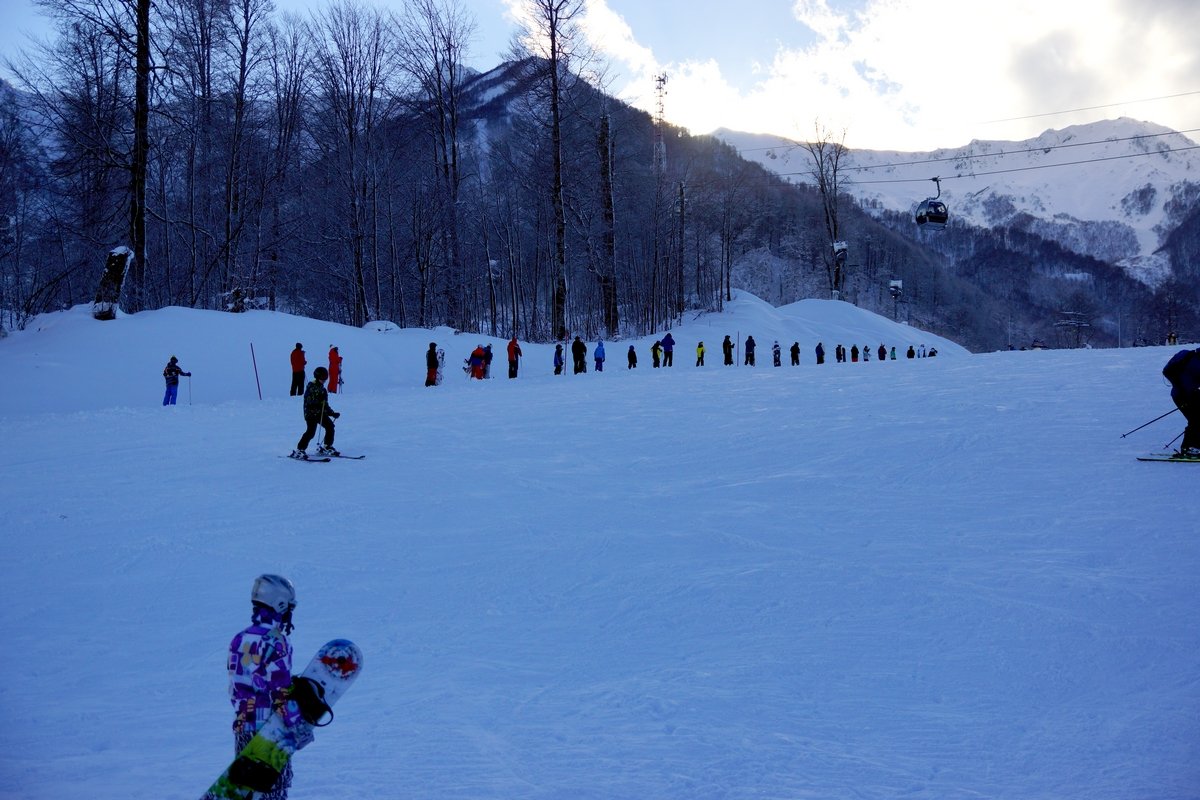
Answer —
932 212
660 113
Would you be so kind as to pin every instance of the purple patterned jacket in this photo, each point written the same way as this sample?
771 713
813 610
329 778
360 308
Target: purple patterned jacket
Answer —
260 672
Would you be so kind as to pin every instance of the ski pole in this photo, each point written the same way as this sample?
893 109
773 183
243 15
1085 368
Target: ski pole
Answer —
1151 422
254 361
1167 446
189 390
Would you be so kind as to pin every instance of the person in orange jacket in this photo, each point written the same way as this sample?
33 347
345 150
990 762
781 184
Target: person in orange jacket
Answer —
514 354
335 369
298 362
476 362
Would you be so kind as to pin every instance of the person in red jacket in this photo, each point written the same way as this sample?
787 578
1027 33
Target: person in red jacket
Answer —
298 362
476 362
514 353
335 370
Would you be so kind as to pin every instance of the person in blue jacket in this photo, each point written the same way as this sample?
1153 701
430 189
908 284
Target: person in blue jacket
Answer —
558 359
668 346
1183 371
598 354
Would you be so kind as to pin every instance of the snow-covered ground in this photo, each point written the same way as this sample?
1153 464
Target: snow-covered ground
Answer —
937 578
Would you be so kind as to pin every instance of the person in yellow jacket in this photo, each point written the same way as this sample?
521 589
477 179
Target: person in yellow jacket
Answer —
700 354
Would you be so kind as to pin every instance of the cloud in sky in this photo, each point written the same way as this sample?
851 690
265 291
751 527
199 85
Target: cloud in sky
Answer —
898 74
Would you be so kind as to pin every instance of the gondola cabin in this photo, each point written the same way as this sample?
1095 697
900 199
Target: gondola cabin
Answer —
932 213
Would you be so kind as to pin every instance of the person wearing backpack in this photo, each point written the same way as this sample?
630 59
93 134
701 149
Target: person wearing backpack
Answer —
1183 371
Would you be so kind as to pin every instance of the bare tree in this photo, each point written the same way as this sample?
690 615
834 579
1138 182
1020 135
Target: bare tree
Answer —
356 73
436 35
550 36
827 154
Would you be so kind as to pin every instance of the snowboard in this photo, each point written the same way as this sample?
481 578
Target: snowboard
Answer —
314 691
1169 457
441 359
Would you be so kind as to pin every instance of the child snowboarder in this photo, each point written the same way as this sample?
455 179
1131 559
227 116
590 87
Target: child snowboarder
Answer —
260 667
317 412
171 374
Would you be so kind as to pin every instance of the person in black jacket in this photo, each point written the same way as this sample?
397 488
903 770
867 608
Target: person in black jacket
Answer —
579 355
317 412
727 348
171 375
749 351
431 365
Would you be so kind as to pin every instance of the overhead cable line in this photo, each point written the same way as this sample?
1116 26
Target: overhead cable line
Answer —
1090 108
1000 153
1029 168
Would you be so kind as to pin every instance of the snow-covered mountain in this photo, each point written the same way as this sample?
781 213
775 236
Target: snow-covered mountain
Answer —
1113 190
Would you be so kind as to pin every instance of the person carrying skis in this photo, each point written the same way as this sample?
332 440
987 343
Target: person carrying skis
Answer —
317 412
514 353
259 663
335 369
431 365
1183 371
598 354
171 374
298 362
727 349
632 356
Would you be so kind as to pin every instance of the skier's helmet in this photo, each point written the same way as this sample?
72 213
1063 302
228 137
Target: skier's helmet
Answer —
275 592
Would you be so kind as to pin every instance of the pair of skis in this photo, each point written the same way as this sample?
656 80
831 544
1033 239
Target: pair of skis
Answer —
324 459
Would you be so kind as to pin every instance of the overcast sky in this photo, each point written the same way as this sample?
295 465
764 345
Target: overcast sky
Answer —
893 74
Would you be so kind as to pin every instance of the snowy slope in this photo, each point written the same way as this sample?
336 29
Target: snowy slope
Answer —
1100 207
938 578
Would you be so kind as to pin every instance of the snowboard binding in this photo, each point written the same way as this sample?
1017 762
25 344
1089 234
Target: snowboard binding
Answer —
310 697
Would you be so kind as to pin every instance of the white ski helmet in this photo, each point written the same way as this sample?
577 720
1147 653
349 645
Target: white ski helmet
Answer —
275 592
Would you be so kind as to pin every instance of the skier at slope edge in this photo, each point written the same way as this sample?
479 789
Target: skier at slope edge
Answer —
260 668
1183 371
317 412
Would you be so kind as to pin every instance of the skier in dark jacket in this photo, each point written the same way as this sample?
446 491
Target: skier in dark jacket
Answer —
820 353
259 663
882 353
749 351
171 375
1183 371
727 349
632 358
431 365
795 351
579 355
317 412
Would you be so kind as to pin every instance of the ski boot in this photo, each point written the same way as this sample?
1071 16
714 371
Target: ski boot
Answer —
327 450
300 454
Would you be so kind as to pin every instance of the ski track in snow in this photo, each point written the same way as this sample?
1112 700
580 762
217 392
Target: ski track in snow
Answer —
940 578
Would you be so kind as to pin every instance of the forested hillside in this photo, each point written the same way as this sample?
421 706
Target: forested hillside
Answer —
347 167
